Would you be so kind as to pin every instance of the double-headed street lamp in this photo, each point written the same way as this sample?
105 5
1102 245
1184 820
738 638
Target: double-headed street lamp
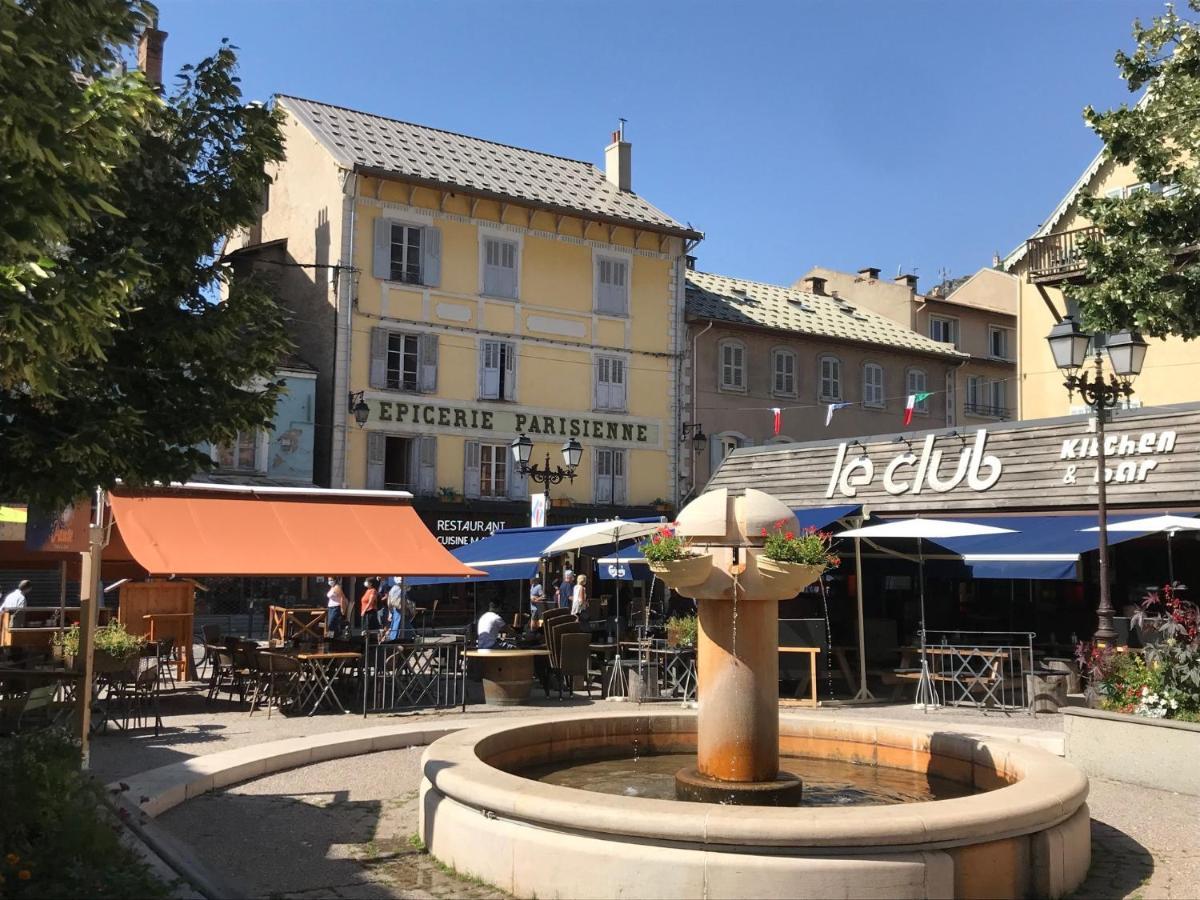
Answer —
1126 353
572 451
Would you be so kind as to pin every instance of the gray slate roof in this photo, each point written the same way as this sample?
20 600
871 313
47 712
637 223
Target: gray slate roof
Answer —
472 164
758 305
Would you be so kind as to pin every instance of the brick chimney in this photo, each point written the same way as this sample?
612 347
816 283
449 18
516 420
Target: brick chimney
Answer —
869 273
617 160
909 281
814 284
150 53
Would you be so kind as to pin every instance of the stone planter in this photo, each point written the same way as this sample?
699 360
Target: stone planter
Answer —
104 663
786 578
682 573
1153 753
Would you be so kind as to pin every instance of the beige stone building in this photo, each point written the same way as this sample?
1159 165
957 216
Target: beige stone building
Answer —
752 347
1046 266
976 315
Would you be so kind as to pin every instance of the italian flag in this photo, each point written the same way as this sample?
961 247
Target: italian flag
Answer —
913 400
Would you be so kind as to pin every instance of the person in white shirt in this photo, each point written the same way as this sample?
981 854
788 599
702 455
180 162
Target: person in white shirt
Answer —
537 600
579 598
16 599
489 629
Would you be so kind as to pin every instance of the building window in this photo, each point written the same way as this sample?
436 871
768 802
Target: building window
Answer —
873 385
783 367
405 253
831 378
998 396
401 463
489 472
721 445
919 384
403 361
974 394
493 470
943 329
610 476
500 267
612 286
610 383
497 370
998 342
242 454
732 356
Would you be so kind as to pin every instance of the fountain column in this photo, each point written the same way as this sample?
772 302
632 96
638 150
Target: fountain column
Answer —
737 661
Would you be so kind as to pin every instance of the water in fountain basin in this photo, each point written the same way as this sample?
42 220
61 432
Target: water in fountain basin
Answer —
826 782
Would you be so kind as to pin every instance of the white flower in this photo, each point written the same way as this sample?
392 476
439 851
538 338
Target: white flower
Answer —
1145 691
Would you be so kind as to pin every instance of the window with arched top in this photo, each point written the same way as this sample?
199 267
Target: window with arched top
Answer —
731 365
917 382
829 371
722 444
783 372
779 439
872 385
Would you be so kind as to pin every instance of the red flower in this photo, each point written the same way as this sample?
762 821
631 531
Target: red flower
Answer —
790 536
764 531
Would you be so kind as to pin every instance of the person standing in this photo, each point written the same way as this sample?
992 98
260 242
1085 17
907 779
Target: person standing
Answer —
579 599
336 607
537 600
368 605
566 589
15 600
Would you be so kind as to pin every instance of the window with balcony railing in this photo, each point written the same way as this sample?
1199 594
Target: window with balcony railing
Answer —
1056 257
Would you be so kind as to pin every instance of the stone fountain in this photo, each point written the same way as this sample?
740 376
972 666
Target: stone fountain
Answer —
1018 827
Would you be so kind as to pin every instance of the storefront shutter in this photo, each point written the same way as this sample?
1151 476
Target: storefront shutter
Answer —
431 256
428 349
379 343
382 260
376 454
471 470
426 479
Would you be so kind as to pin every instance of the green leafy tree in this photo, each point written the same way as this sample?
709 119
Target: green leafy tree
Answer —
1144 273
136 363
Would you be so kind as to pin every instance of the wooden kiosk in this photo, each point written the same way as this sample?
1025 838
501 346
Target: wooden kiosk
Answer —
159 609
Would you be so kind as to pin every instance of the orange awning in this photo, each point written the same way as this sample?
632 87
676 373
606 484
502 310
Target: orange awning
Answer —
222 531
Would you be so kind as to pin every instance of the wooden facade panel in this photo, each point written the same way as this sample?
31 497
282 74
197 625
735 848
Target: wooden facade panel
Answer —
1157 465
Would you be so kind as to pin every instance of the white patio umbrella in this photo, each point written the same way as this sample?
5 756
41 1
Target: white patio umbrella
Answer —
1158 525
922 529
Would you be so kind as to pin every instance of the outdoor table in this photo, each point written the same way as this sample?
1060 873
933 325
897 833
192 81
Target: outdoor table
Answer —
812 672
322 669
507 674
679 668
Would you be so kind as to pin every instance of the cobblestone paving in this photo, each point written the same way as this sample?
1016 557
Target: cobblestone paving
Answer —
335 829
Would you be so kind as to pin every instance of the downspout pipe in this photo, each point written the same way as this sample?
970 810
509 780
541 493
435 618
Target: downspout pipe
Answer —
345 311
691 446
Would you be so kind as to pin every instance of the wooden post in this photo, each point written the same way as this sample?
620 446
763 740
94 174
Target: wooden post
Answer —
89 603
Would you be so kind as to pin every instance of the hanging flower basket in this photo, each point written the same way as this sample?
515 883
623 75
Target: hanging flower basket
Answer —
682 573
788 576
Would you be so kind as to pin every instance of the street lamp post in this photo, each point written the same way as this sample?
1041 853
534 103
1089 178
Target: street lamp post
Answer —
522 448
1126 353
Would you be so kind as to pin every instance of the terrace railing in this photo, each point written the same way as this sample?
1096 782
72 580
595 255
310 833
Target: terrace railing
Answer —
1059 257
984 669
428 673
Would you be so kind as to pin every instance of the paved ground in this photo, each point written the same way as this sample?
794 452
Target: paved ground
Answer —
342 828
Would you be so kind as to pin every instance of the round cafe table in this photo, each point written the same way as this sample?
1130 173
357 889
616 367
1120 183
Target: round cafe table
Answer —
507 674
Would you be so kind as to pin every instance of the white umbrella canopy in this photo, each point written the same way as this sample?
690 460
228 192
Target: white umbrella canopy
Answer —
1154 524
596 533
931 529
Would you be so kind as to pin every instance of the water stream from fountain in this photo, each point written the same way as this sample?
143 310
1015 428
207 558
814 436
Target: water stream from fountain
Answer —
828 639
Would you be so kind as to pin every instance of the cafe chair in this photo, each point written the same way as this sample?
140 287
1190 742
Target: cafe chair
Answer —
139 696
573 654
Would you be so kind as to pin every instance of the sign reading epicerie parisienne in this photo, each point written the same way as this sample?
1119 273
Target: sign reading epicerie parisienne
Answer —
407 415
1130 460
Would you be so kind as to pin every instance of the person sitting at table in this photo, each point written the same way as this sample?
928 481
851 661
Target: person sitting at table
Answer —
336 607
566 589
490 628
368 605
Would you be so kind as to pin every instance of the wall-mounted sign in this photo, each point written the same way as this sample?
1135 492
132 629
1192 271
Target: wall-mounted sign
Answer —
911 473
410 416
452 531
63 531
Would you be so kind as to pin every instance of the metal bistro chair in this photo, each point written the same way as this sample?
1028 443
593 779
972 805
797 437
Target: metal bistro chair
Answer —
279 680
210 635
137 696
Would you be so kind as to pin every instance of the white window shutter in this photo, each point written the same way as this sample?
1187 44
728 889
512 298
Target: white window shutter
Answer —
715 451
510 371
376 454
379 344
618 476
618 397
426 480
599 388
471 470
382 259
603 476
518 484
431 261
489 366
482 367
428 353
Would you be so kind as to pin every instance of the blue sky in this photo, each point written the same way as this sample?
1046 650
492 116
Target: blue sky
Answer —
922 135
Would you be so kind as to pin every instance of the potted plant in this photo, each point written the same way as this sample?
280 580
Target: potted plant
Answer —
670 557
448 495
115 648
794 561
681 631
661 505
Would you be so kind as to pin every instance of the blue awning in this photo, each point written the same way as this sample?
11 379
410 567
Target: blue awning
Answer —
823 516
625 565
1041 548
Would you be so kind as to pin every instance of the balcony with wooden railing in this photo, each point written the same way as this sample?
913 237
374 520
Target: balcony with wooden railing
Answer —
1059 257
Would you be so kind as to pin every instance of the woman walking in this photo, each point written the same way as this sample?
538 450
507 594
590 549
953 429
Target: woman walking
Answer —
579 599
368 605
336 607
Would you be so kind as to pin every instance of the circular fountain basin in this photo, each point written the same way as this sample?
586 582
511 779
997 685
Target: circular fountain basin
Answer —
1026 834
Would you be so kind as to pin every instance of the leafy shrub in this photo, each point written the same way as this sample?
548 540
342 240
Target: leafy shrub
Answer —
809 548
111 638
57 837
681 631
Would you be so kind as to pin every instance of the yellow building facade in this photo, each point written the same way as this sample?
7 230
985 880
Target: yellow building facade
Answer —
1046 267
474 292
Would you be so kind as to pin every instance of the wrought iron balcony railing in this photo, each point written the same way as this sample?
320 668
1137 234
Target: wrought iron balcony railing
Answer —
987 410
1059 257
